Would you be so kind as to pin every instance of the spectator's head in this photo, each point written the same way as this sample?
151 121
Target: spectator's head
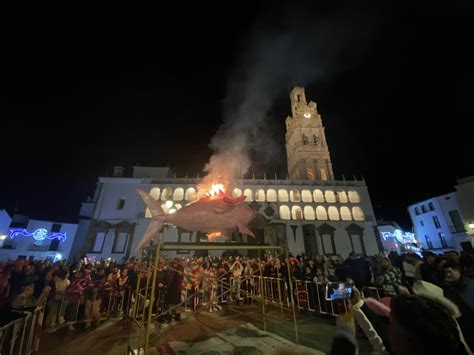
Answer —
48 276
421 326
452 272
385 263
429 257
28 289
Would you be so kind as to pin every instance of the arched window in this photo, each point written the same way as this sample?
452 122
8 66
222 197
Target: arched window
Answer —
155 193
333 213
260 195
357 213
342 196
295 196
346 214
309 213
318 196
271 195
249 195
236 192
296 212
190 194
321 214
285 212
201 193
424 209
166 194
417 210
178 194
354 196
306 196
283 195
330 196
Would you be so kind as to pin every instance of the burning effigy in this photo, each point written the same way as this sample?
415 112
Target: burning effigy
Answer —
217 214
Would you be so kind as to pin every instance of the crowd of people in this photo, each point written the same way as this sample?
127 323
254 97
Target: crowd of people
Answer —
86 290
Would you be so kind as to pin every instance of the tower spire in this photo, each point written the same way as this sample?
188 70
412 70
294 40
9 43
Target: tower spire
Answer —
307 152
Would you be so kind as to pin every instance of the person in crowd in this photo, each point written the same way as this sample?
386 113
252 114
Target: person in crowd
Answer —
174 285
236 270
392 278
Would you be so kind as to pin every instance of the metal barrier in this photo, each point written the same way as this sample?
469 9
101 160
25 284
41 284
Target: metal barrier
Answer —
22 336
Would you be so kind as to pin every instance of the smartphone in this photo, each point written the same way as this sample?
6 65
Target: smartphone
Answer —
338 291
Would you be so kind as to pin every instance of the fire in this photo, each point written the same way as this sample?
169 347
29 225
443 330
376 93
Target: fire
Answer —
216 190
213 235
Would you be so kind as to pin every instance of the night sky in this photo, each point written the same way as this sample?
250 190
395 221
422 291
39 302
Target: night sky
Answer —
148 87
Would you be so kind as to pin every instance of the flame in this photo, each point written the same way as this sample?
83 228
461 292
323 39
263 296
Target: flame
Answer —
216 190
213 235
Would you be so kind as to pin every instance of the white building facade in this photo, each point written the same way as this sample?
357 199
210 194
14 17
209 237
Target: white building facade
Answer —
309 213
438 223
25 238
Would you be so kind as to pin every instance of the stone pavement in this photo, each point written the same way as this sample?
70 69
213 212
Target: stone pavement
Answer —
201 329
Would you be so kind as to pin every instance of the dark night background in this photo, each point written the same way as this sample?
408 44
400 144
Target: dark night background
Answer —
82 94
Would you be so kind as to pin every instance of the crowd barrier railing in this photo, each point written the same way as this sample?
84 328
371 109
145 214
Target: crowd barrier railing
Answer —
22 336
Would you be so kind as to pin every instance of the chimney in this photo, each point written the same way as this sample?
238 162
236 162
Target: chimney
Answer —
118 171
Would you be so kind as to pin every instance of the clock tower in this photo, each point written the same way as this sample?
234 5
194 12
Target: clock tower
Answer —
306 147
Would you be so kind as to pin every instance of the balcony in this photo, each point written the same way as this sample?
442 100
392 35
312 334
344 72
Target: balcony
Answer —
458 228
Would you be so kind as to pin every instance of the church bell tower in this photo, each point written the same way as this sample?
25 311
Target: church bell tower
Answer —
306 147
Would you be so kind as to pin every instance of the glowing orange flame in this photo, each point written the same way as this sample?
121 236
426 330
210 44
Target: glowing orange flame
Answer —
216 190
213 235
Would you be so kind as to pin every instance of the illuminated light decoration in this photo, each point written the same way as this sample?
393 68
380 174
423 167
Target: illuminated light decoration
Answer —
38 235
3 237
172 210
307 115
57 257
403 238
169 204
471 225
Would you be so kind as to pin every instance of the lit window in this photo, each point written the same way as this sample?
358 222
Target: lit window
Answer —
236 192
357 213
306 196
155 193
354 196
283 195
346 214
271 195
166 194
296 212
309 213
318 196
285 212
260 195
178 194
177 206
295 196
248 194
333 213
190 194
330 196
342 196
321 214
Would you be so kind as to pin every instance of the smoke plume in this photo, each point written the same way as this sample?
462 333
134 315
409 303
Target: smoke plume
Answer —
304 49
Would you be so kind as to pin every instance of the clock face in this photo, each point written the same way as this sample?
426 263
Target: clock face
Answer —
307 115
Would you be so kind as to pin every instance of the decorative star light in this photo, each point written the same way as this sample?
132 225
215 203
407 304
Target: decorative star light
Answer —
403 238
39 234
